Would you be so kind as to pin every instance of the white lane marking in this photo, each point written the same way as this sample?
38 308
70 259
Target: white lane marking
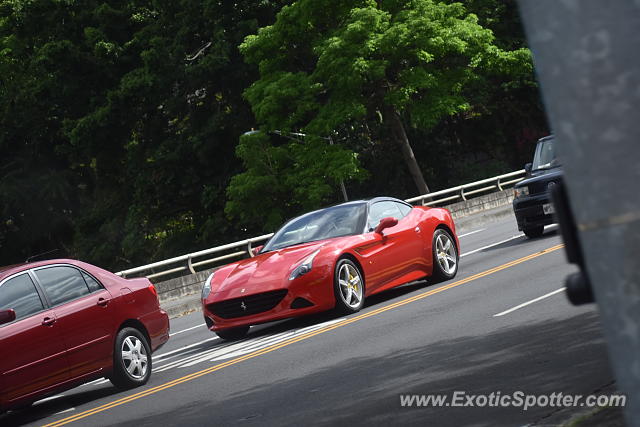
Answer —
517 307
471 232
234 349
66 410
197 354
492 245
188 329
173 352
46 399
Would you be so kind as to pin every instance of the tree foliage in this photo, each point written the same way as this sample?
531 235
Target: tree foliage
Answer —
118 121
325 64
297 175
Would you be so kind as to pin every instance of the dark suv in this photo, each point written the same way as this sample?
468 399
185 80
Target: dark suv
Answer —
531 204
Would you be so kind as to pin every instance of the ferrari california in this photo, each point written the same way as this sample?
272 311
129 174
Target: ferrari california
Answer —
331 258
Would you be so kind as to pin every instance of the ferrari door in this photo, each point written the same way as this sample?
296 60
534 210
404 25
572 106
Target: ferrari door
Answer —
397 252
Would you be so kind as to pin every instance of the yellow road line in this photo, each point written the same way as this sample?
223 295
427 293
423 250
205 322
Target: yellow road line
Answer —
293 340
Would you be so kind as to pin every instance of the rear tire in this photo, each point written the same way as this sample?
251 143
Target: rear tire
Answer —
348 287
445 256
233 334
534 231
131 359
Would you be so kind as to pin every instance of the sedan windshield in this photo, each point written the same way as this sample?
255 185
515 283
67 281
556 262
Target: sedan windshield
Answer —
342 220
545 155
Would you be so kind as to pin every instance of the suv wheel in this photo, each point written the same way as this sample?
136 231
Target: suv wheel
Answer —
534 231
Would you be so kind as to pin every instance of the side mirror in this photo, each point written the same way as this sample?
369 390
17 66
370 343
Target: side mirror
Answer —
255 251
527 169
7 316
385 223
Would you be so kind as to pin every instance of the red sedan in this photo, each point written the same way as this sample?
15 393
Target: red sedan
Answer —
65 322
331 258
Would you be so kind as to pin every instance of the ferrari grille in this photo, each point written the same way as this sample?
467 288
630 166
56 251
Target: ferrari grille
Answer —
247 306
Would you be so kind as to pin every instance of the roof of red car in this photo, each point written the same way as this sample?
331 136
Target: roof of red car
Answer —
15 268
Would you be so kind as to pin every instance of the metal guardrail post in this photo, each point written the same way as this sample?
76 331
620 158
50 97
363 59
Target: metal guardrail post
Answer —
190 265
249 249
462 194
499 185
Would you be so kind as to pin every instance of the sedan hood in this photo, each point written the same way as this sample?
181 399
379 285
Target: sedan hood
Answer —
264 272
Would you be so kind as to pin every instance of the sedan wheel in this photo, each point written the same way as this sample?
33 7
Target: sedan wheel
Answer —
132 359
348 287
445 256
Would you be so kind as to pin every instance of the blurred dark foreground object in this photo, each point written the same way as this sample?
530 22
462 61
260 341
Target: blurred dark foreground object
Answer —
587 56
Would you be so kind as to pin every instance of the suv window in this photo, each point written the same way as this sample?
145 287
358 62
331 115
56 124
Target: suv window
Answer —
381 210
62 284
20 294
545 155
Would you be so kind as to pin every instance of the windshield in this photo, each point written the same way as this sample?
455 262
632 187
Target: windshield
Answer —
336 221
545 156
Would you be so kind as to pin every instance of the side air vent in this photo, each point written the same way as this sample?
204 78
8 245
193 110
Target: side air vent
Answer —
301 303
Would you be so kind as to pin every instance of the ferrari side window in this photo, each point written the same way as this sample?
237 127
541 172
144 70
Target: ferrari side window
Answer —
404 209
382 210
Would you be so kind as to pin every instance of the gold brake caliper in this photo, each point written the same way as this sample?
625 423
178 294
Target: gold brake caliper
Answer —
353 286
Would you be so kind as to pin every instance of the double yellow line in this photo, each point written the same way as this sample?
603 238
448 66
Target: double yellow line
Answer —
293 340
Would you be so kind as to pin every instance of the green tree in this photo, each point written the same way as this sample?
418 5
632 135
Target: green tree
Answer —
284 179
118 125
327 65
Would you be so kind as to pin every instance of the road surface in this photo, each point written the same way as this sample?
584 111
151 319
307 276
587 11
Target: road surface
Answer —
503 325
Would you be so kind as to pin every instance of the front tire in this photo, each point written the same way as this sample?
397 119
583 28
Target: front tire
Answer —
131 359
348 287
233 334
534 232
445 256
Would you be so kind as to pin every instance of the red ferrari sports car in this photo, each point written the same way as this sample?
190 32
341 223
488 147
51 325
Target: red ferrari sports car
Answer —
331 258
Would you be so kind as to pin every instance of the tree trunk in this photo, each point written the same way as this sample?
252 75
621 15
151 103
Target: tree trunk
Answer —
400 136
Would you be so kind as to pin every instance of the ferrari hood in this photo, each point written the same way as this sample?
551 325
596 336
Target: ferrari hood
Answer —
264 272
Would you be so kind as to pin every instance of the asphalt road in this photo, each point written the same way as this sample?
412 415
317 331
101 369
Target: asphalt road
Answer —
422 338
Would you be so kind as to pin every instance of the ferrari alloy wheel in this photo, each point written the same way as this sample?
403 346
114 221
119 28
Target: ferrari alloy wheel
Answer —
445 256
131 359
348 287
233 334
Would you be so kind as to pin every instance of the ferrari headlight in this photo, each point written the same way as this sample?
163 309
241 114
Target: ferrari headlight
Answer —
304 267
521 191
206 289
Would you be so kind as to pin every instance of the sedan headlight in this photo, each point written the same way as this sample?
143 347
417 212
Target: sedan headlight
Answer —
206 289
521 191
304 267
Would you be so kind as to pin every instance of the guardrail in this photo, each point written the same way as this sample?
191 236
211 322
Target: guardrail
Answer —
244 247
497 182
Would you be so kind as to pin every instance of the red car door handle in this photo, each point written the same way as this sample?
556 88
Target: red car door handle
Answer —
48 321
102 302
